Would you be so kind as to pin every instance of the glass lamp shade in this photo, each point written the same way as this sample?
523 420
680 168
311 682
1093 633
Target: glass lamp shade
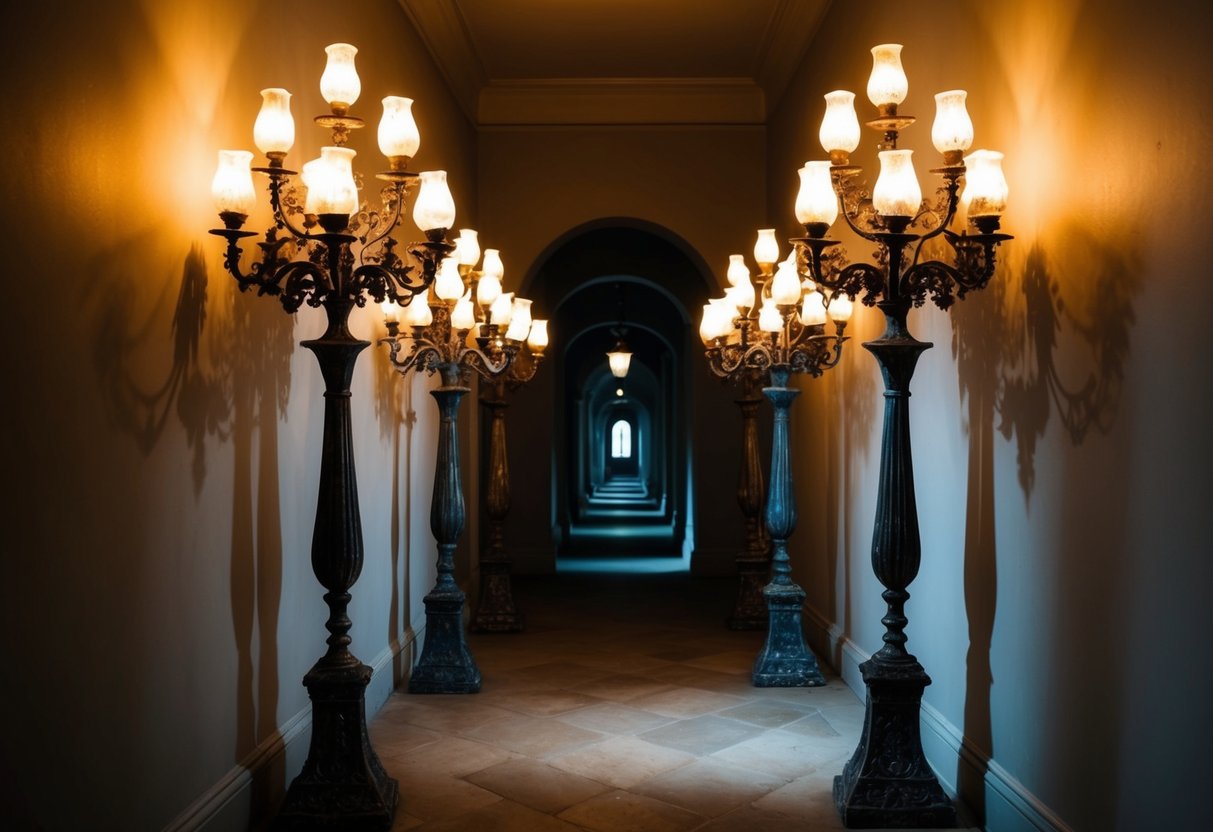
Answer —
741 297
887 85
952 130
841 308
986 189
398 135
897 193
467 247
339 84
391 310
717 321
813 309
232 187
463 316
737 272
816 202
330 182
839 130
520 320
769 319
766 249
274 129
502 309
418 312
706 325
488 289
492 266
435 207
537 340
619 360
785 288
448 285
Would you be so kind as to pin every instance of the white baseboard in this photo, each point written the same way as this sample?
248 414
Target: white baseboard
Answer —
227 805
1009 806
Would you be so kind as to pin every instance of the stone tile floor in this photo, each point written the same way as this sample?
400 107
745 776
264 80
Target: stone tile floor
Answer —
626 706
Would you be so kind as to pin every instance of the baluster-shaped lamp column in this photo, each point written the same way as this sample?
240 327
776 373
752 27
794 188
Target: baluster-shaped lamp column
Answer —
496 612
785 660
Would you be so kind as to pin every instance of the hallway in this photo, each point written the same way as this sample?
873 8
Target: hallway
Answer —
625 706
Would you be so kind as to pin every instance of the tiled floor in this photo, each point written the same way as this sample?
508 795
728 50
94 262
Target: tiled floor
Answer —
626 706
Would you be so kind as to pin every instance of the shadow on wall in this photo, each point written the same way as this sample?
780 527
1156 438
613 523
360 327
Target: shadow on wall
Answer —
1016 343
237 396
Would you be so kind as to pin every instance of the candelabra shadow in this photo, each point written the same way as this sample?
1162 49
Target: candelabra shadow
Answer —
228 380
1011 343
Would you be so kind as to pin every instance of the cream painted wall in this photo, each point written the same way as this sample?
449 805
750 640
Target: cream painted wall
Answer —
1060 423
161 448
706 186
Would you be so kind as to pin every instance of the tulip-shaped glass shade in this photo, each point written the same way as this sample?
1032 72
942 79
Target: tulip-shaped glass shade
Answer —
502 309
785 288
488 289
391 310
769 319
839 131
619 360
986 189
435 207
339 84
418 312
520 320
741 297
766 249
467 247
448 285
463 316
813 310
331 188
493 267
737 272
952 130
717 321
274 129
706 325
398 136
887 85
816 202
841 308
232 187
538 338
897 193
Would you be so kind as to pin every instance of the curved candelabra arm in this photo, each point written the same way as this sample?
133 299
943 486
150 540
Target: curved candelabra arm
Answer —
278 179
378 227
390 280
485 365
854 203
975 262
300 280
860 277
725 360
944 211
421 354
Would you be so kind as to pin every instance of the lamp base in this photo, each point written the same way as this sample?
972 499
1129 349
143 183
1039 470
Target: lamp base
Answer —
496 612
750 607
446 664
888 782
785 660
342 785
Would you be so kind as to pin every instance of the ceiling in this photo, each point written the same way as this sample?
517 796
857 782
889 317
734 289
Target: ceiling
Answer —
539 62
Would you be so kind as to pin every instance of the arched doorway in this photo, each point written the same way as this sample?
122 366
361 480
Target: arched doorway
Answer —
670 497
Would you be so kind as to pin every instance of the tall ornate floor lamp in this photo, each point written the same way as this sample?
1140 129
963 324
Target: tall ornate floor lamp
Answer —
496 611
777 328
310 256
454 335
888 782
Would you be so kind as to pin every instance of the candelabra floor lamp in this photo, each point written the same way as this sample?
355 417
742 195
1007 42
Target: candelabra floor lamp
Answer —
887 782
754 560
455 336
777 328
496 611
309 255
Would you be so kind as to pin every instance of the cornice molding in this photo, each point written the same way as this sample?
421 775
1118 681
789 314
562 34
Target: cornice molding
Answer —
442 29
789 32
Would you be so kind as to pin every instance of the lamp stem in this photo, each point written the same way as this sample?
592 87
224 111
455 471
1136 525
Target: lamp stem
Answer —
340 761
754 561
870 792
496 611
785 660
446 664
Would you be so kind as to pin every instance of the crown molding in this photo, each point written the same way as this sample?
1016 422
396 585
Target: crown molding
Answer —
585 101
790 30
441 27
